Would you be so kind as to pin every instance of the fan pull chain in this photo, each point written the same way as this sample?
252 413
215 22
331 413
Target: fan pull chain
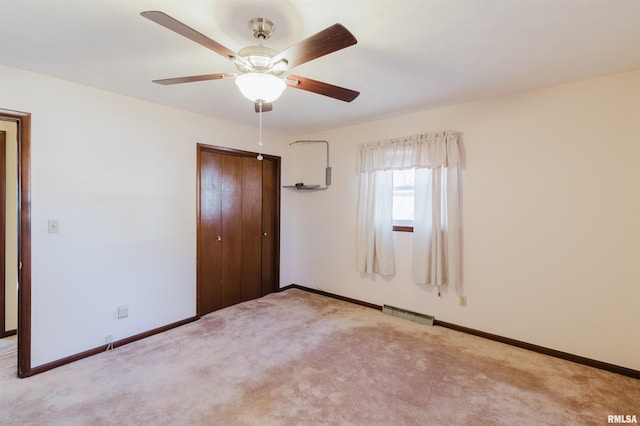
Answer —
260 143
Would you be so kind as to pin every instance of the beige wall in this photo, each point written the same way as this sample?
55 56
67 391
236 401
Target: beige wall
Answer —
550 212
550 199
11 258
120 176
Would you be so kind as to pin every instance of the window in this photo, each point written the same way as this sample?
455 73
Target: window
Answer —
433 192
404 185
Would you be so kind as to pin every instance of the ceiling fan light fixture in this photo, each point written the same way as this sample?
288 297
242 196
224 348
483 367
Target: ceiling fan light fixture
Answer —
260 86
262 70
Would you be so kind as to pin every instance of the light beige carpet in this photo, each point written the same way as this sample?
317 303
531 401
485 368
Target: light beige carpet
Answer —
296 358
8 356
7 344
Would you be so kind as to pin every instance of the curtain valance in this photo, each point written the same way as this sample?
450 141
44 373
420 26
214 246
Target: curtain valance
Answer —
423 150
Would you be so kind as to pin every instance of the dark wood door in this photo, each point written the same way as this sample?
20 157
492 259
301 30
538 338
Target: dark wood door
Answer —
238 226
230 239
251 252
209 273
270 226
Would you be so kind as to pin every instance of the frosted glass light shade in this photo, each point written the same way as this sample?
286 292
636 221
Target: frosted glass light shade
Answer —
256 86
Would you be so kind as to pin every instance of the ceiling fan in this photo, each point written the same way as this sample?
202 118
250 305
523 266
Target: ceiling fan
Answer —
262 72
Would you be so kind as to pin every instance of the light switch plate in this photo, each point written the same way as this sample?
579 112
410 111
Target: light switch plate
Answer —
123 311
53 226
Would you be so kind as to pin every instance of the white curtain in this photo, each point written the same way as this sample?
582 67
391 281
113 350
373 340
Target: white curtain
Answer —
436 227
436 230
375 223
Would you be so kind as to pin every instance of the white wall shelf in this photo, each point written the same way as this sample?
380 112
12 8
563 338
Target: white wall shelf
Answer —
302 186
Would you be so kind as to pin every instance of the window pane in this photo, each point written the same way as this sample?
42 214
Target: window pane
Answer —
404 177
403 207
403 195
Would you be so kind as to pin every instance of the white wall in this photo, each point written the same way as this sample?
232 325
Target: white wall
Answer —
550 220
550 197
11 228
120 176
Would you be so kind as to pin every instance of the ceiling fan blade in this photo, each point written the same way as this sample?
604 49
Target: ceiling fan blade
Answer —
174 25
266 107
194 78
327 41
321 88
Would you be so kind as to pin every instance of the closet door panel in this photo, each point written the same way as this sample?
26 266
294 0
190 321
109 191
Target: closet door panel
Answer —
231 259
209 272
270 239
251 228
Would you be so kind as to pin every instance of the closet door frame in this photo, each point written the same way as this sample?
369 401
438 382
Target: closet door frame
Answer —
276 225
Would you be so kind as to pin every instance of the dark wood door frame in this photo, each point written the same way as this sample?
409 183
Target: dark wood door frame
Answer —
3 237
23 121
276 213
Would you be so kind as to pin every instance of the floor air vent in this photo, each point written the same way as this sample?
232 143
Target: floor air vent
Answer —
408 315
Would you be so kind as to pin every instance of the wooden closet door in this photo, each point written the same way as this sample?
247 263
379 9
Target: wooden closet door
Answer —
251 228
238 226
270 228
209 296
231 259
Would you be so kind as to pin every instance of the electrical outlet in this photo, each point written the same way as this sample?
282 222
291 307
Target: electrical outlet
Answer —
123 311
462 301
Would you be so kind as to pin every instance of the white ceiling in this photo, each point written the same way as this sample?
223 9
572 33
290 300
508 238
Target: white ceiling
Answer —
411 55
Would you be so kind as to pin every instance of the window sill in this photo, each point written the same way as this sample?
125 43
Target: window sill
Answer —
403 228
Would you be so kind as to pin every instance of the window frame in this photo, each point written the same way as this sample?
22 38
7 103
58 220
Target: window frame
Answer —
404 225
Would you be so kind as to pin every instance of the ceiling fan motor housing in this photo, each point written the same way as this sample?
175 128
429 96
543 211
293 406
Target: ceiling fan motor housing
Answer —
262 28
258 59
